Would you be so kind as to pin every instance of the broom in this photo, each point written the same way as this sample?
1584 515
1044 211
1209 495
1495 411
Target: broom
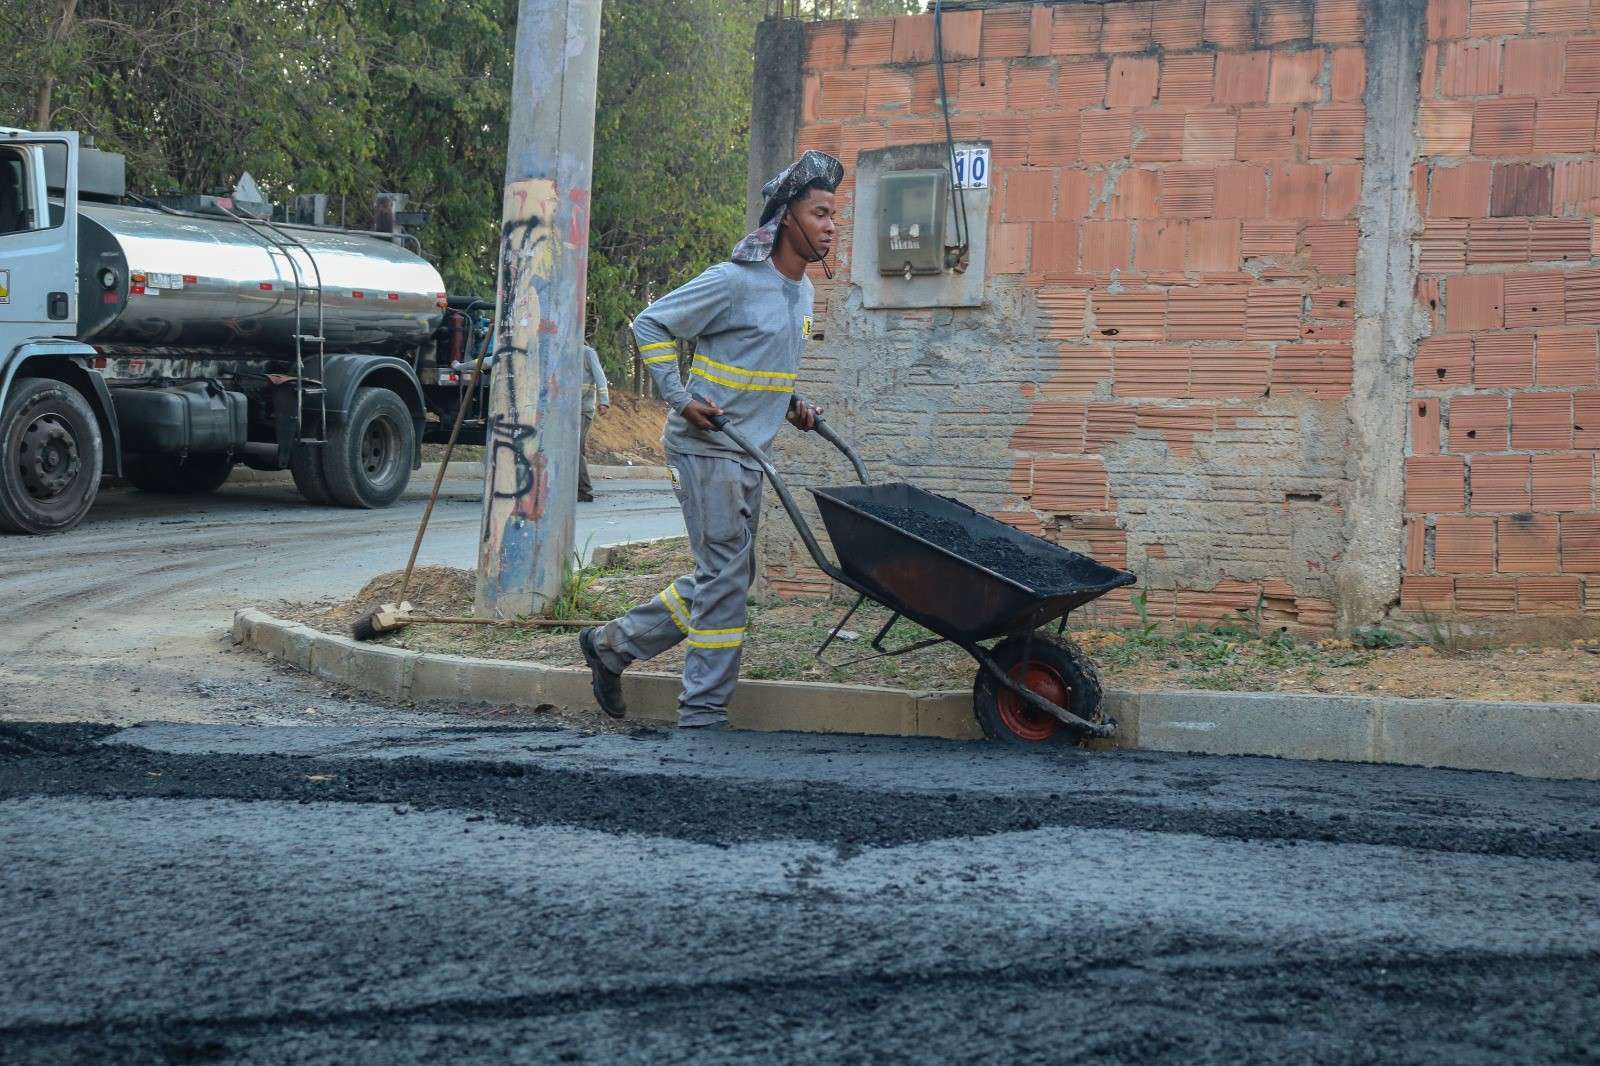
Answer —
395 616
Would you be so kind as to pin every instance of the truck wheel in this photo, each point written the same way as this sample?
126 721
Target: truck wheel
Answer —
367 461
1058 670
306 466
50 457
194 475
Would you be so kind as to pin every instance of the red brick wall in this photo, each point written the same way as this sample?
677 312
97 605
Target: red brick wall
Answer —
1505 410
1176 188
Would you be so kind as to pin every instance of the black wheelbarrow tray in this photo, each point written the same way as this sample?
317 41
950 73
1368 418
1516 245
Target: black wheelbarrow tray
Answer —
986 581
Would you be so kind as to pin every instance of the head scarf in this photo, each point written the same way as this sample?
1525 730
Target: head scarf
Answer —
778 193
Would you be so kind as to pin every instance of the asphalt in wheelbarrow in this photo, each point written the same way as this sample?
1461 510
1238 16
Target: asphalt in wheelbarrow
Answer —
1045 571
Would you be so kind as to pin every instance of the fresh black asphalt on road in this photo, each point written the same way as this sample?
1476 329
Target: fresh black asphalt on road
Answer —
194 893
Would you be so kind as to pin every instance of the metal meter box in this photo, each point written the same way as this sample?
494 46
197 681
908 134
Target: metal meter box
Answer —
911 210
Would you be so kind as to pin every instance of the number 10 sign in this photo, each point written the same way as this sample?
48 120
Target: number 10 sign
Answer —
971 165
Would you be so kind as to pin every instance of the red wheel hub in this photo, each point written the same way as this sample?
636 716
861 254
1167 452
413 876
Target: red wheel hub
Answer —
1022 718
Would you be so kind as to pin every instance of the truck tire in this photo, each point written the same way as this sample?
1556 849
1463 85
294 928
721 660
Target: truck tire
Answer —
1058 670
50 458
305 464
193 475
367 461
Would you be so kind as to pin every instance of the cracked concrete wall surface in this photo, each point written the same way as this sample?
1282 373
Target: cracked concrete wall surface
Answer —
1209 270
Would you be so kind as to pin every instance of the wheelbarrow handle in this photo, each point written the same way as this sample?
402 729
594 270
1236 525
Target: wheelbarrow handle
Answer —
722 425
825 431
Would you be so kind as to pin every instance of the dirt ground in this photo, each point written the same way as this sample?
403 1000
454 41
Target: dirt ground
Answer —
785 634
629 433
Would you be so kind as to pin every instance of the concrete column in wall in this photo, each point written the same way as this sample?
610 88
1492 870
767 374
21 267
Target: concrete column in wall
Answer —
1388 321
775 104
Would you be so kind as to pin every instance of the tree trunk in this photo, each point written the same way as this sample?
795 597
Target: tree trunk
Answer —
43 109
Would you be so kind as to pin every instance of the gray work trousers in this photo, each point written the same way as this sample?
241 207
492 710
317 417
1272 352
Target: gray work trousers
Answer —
721 503
585 488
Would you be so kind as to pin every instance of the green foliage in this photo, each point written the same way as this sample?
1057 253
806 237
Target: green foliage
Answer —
1376 637
359 96
580 598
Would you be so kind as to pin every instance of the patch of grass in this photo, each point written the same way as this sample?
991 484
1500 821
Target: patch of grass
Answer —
579 598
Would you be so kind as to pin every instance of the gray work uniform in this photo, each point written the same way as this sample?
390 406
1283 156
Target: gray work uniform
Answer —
596 394
752 324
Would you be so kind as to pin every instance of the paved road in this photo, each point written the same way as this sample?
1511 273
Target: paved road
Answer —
213 894
270 872
123 618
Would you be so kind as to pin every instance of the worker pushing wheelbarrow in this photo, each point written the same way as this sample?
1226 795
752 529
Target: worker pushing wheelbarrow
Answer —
962 575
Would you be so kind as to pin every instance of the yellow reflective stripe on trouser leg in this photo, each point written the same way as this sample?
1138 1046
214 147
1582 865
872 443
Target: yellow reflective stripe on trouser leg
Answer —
714 644
681 622
730 637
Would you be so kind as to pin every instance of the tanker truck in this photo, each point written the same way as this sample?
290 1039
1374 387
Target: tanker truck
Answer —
165 341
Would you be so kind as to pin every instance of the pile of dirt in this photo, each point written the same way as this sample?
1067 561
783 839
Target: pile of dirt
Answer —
629 433
433 590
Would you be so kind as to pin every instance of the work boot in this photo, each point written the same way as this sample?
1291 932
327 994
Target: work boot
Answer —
606 682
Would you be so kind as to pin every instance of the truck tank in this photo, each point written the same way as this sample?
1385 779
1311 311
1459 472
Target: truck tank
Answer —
149 279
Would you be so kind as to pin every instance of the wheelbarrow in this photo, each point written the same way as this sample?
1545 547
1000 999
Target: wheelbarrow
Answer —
979 581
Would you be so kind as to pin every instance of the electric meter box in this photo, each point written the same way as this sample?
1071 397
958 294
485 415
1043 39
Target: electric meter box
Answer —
911 212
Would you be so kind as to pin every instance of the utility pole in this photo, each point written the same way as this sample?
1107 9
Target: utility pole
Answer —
530 488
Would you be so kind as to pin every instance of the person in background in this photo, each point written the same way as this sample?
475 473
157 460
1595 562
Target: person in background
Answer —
596 399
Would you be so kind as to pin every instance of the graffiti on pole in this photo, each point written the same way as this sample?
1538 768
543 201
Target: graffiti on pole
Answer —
529 252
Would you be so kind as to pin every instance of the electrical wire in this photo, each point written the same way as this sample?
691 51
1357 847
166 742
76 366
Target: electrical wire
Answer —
963 231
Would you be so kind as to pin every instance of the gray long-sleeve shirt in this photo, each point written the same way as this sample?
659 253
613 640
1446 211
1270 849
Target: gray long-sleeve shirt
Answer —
596 392
752 324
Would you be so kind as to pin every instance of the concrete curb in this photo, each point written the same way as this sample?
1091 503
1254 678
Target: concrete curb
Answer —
459 471
1559 740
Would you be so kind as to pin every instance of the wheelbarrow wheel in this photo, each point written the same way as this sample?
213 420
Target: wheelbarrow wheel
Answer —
1058 670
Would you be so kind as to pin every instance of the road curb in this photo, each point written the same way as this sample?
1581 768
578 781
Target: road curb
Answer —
459 471
1558 740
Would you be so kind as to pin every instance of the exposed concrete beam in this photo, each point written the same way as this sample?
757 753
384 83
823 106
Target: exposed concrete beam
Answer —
1388 322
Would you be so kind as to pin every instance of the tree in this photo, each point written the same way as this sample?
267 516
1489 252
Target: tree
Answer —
351 97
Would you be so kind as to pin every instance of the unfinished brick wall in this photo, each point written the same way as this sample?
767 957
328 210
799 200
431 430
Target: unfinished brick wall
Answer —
1505 413
1162 376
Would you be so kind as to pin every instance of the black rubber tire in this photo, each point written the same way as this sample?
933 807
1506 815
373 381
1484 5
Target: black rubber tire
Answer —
367 461
193 475
305 465
45 409
1050 664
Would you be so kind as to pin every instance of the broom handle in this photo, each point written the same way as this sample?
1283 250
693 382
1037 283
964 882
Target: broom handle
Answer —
513 623
438 479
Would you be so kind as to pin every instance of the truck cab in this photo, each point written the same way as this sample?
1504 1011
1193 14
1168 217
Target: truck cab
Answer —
165 343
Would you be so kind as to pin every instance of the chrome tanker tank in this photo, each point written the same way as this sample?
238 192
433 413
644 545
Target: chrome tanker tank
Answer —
151 279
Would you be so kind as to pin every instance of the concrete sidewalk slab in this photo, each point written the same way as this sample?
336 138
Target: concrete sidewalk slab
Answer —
1532 739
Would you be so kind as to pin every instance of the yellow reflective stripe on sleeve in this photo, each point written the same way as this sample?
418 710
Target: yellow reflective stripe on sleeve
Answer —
658 345
742 386
670 358
740 372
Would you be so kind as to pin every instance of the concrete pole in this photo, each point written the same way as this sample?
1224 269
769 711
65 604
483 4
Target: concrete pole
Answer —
531 467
